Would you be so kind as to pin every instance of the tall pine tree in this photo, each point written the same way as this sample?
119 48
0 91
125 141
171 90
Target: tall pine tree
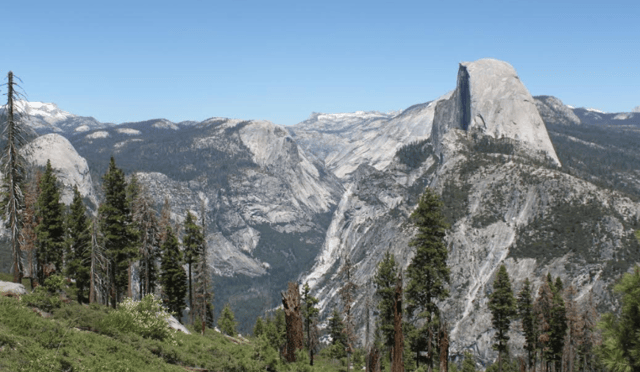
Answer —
145 219
385 282
525 311
79 246
193 243
310 313
12 201
428 272
172 275
50 236
115 219
503 308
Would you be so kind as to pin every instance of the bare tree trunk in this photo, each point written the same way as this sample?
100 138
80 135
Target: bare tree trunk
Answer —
295 335
444 348
130 284
373 360
429 341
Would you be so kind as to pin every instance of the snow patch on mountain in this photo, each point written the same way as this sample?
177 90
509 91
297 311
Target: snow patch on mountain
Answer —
82 128
71 169
636 109
344 141
98 134
165 124
624 116
595 110
128 131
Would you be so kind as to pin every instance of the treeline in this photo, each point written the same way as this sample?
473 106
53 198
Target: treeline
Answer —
411 333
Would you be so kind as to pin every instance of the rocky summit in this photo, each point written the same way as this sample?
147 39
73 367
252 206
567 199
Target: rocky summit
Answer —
526 182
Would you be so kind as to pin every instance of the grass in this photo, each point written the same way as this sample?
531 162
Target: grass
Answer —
81 338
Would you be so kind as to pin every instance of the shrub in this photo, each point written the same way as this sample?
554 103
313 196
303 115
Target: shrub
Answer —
146 318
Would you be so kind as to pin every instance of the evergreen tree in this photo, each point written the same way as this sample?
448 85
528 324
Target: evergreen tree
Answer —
385 282
347 294
503 308
543 312
428 272
172 275
525 311
227 322
50 230
468 363
133 191
193 243
337 333
310 313
620 350
116 220
558 324
202 287
30 222
574 334
12 201
144 217
258 329
79 246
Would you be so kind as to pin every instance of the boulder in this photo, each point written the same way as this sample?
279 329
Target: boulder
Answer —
175 324
13 288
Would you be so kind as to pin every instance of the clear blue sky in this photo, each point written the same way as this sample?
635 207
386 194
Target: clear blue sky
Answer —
281 60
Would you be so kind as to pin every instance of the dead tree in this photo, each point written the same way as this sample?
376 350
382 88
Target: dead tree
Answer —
398 346
373 360
444 348
295 335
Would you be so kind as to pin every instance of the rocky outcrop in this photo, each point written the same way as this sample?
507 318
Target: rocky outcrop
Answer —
13 288
552 110
490 100
71 168
344 141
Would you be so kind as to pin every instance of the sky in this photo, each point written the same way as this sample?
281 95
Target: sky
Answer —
124 61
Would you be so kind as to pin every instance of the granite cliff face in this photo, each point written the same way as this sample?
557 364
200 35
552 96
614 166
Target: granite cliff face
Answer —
490 100
507 199
290 203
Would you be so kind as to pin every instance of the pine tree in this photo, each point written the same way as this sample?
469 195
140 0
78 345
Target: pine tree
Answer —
310 313
397 364
574 334
79 246
347 294
503 308
468 363
202 287
558 324
428 272
543 312
50 230
12 201
144 217
620 350
116 220
385 281
133 191
227 322
172 275
525 311
258 328
30 222
193 243
337 333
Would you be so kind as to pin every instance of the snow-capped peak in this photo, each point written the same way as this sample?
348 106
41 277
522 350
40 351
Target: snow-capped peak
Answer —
636 109
595 110
47 111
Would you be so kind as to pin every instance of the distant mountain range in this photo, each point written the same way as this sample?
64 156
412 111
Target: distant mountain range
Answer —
526 181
